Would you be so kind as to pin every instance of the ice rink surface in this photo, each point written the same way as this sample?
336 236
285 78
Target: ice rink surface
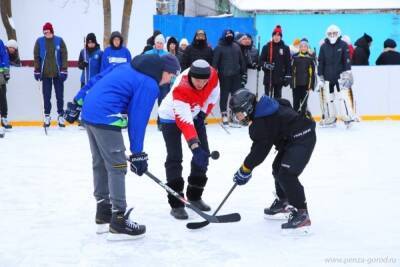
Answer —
352 185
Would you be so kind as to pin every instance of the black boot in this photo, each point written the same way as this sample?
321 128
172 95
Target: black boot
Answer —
195 190
179 213
122 228
177 207
279 209
298 219
103 216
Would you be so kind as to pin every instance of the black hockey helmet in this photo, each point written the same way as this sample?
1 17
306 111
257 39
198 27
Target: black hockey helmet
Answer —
242 101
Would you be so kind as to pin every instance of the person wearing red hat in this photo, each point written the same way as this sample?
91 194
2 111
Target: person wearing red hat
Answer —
51 64
275 62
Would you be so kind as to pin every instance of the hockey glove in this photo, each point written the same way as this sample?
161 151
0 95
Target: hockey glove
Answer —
200 158
72 112
6 75
346 79
242 176
269 66
63 75
139 163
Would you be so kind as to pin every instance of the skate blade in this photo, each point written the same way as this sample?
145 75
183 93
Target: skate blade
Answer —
234 125
302 231
123 237
102 228
278 216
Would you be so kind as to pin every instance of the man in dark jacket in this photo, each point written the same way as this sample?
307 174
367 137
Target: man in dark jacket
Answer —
228 60
249 52
334 71
361 52
131 89
198 49
50 67
275 123
275 62
389 55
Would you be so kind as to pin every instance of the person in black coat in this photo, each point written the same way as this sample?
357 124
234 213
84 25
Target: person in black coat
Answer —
275 123
249 52
361 52
228 60
275 62
303 76
389 55
198 49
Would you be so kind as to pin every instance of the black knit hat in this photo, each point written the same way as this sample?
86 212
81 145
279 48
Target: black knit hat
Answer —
368 38
170 64
200 69
91 37
389 43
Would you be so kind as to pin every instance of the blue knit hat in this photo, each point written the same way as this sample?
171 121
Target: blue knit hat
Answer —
171 64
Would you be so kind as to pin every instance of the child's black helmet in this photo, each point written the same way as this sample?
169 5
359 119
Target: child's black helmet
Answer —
242 101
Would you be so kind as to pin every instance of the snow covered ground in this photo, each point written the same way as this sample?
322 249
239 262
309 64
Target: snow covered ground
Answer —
352 186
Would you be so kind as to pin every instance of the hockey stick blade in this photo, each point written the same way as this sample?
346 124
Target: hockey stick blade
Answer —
226 218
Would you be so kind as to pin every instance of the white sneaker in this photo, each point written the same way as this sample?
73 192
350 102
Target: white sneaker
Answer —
61 121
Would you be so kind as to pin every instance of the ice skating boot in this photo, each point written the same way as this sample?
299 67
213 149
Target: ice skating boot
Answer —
5 124
122 228
279 210
103 216
299 223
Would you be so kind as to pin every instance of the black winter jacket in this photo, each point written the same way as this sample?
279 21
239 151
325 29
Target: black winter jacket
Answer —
250 56
333 59
281 58
389 57
228 59
275 123
303 70
196 51
361 52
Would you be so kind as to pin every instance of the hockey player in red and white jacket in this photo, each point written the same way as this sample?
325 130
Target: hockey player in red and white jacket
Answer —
183 111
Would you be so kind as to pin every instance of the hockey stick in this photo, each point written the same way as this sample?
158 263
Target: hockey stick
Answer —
84 60
42 102
198 225
258 69
231 217
304 101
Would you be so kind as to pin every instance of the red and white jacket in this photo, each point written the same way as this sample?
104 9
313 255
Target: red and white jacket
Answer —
184 102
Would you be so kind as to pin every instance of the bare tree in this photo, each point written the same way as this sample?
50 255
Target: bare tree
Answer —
6 15
107 23
126 17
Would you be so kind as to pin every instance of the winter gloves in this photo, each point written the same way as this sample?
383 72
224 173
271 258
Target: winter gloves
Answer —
139 163
242 176
63 75
72 112
200 158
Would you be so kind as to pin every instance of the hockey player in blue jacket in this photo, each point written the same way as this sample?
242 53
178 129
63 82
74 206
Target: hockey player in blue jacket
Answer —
122 92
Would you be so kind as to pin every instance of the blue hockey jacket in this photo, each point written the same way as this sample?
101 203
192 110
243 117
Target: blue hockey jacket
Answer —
120 92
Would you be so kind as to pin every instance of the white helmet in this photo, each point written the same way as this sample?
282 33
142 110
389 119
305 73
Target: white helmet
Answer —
12 43
333 33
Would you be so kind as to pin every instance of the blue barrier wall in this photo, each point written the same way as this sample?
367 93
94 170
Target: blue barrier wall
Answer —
313 26
179 26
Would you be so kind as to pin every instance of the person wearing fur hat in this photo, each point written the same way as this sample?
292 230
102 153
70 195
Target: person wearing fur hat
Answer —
121 96
198 49
362 52
229 62
116 53
90 59
51 67
303 76
183 111
389 56
275 62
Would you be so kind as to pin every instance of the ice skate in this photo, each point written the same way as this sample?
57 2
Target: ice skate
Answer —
279 210
5 124
61 121
298 224
328 123
225 119
46 121
122 228
103 217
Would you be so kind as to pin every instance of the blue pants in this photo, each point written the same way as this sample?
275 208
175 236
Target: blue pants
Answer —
59 88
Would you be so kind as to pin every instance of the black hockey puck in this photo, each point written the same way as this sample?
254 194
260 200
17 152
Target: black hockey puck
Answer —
214 155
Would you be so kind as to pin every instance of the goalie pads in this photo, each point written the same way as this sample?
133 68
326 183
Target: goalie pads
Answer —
328 108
